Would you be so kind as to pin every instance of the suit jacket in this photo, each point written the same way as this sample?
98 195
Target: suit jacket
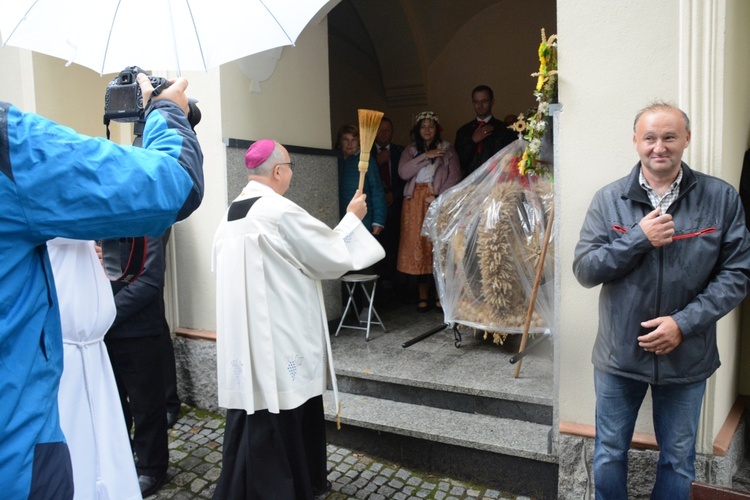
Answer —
396 186
140 305
473 155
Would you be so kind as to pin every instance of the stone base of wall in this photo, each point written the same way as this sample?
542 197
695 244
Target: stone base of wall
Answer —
576 468
196 372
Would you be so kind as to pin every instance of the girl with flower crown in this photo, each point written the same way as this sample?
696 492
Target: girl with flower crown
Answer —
429 166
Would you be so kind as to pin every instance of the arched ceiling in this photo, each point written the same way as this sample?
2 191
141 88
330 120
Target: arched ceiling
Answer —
402 36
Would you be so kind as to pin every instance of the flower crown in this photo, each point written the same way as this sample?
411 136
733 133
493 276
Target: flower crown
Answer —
425 115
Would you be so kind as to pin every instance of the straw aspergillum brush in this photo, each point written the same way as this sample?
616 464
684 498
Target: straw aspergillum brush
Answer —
369 121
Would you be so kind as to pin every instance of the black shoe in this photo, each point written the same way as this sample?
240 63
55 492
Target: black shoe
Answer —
319 495
423 306
151 484
172 417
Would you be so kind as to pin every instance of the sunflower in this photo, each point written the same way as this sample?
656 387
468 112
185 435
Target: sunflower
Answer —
519 126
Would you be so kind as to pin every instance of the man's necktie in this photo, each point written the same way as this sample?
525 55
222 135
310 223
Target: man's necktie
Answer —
479 124
385 171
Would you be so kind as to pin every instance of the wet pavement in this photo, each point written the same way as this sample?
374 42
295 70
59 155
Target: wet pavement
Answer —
195 445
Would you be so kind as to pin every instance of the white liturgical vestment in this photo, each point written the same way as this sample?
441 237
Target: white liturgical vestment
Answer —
273 346
90 411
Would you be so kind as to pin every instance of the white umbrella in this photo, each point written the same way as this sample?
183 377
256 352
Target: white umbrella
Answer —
180 35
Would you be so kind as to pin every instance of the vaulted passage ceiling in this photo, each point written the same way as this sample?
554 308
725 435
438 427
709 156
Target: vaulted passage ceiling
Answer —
402 37
407 56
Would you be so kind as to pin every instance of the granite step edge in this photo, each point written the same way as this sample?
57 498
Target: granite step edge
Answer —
452 387
496 435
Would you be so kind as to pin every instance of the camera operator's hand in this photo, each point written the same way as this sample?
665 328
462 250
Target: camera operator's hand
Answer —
175 92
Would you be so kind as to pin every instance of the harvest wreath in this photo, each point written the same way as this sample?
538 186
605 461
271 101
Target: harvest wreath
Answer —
488 232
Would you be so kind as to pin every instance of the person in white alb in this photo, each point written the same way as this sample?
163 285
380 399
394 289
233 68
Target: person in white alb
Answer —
273 346
90 412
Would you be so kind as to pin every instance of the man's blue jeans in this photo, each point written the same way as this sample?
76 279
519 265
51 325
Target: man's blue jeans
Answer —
676 410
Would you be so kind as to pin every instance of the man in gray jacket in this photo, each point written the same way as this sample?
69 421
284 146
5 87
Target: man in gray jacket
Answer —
670 249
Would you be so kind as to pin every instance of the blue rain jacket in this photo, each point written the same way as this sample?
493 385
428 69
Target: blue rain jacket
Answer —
55 182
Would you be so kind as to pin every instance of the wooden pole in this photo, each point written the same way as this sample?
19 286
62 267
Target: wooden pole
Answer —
535 289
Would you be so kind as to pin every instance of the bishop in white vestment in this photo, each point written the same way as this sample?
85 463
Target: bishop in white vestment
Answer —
273 346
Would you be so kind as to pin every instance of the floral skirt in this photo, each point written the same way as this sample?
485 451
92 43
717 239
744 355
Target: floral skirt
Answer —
415 251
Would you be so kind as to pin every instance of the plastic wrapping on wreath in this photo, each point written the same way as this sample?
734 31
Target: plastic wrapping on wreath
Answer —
488 233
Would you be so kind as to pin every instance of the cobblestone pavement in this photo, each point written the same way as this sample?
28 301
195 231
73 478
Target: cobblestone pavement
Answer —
195 445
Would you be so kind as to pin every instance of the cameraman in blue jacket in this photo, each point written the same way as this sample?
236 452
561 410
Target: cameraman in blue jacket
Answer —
56 182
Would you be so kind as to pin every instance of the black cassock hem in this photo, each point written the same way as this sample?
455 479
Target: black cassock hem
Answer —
274 456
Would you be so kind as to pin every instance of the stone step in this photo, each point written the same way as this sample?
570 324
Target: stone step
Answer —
443 409
481 432
475 378
448 397
508 454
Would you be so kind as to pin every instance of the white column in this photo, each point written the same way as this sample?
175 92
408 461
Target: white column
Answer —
701 67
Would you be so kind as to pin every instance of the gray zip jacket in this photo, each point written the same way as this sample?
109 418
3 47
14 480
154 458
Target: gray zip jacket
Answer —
698 278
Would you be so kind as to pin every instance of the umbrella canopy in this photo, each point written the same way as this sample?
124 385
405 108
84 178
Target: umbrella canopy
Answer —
178 35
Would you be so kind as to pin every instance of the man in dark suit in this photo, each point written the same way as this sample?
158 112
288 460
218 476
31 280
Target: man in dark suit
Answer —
387 155
478 140
135 343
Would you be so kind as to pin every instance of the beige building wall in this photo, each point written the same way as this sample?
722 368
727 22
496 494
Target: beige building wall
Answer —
672 50
72 96
190 278
293 106
16 78
595 147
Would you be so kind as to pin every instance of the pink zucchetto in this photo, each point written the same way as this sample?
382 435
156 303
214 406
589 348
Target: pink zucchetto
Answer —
258 152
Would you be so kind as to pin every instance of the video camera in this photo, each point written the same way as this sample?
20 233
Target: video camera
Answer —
123 100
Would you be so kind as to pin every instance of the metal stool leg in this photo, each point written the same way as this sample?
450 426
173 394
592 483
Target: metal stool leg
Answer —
372 302
351 287
369 310
372 310
350 290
